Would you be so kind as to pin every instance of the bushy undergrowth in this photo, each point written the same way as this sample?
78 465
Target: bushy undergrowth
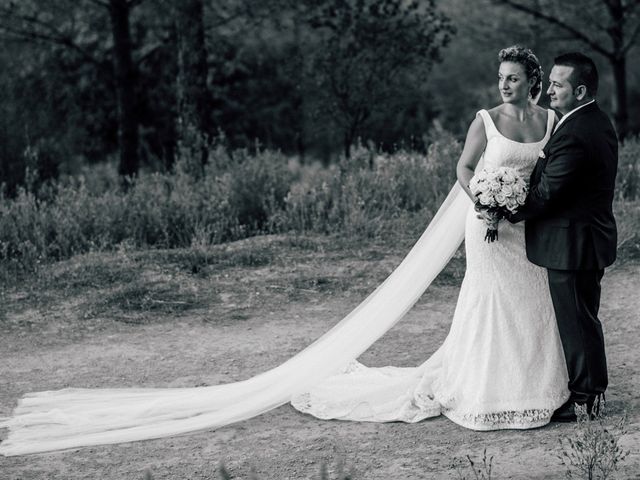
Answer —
628 179
239 195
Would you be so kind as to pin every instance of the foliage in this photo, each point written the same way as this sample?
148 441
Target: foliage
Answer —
60 83
363 192
627 214
592 450
258 187
370 51
56 87
240 194
628 179
308 78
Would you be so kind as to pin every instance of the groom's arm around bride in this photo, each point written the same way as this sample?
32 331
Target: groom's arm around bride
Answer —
569 224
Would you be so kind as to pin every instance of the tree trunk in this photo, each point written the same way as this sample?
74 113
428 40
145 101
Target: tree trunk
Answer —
193 124
620 111
346 145
619 66
298 102
125 80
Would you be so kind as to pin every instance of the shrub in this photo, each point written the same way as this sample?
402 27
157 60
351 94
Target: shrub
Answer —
628 179
364 192
239 194
258 187
592 450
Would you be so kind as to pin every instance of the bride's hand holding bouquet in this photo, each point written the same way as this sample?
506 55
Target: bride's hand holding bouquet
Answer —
498 193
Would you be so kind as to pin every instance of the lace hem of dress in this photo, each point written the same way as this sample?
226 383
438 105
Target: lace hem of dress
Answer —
513 419
507 414
417 411
422 407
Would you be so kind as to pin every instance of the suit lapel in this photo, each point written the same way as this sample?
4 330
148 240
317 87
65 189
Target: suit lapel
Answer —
544 157
592 107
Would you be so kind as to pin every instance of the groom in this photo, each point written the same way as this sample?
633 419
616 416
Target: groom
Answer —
569 223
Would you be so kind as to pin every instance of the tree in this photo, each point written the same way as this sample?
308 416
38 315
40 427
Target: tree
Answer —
617 22
194 105
71 26
125 82
367 49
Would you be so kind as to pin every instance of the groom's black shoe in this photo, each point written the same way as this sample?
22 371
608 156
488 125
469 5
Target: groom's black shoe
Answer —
565 414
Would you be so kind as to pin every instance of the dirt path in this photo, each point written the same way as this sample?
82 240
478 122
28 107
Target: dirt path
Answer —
145 319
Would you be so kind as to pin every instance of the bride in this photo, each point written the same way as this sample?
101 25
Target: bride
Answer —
501 365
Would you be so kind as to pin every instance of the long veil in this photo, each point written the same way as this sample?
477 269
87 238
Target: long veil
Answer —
74 417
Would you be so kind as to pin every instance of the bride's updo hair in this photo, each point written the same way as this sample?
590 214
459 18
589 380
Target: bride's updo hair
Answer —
528 60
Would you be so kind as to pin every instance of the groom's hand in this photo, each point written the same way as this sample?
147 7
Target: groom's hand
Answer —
514 217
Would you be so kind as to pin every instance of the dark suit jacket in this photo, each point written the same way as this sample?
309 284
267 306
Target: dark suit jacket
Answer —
569 223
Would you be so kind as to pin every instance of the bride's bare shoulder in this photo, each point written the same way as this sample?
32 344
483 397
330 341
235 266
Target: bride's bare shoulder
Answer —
495 112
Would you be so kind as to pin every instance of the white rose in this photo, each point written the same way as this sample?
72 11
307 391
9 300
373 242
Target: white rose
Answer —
517 189
521 198
501 199
483 187
492 176
495 186
508 177
507 190
512 204
485 199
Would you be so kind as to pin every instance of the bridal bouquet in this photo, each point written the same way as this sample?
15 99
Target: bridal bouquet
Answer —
498 192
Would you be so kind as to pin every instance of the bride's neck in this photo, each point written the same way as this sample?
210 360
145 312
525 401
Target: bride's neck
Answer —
518 111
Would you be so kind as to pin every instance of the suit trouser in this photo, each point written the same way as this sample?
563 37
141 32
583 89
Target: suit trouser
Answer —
576 301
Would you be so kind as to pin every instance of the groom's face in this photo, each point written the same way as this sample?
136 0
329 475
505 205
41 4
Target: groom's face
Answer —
560 91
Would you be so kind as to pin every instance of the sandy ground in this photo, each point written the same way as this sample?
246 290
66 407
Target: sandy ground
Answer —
237 316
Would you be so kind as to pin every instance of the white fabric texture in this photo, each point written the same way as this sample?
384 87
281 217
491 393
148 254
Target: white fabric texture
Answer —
56 420
501 365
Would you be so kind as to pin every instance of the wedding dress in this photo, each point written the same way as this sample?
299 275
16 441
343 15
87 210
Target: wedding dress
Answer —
501 365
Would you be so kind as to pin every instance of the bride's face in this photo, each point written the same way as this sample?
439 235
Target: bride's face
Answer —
513 82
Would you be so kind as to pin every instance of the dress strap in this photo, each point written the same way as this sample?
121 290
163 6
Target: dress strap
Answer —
550 120
490 128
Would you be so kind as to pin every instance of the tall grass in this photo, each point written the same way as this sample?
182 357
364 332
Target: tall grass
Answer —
240 195
628 179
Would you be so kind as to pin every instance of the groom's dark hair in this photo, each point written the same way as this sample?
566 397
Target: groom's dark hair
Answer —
584 71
